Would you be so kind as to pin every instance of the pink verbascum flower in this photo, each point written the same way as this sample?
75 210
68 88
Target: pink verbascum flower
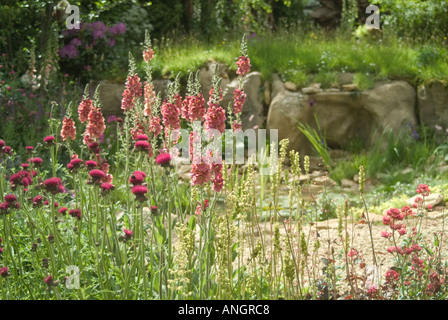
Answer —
148 55
215 119
200 173
154 126
68 129
96 126
84 109
128 100
170 115
149 98
134 86
193 108
239 97
243 64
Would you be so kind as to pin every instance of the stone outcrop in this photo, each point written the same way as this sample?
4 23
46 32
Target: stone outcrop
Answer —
111 94
342 115
252 114
433 104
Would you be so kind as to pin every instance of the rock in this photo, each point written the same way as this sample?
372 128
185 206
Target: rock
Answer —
432 101
277 86
267 93
327 224
161 85
442 169
286 111
290 86
350 87
316 174
252 114
433 199
332 90
206 76
345 183
311 189
342 115
345 78
312 89
111 94
391 105
324 181
335 86
407 171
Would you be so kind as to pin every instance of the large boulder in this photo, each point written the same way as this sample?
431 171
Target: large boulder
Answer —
111 94
286 111
206 76
342 116
391 104
252 113
433 104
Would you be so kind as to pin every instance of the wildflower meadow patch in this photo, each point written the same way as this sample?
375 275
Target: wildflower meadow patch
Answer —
115 221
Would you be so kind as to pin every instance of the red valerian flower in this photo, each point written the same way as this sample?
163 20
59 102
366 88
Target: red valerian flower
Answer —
423 189
392 275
